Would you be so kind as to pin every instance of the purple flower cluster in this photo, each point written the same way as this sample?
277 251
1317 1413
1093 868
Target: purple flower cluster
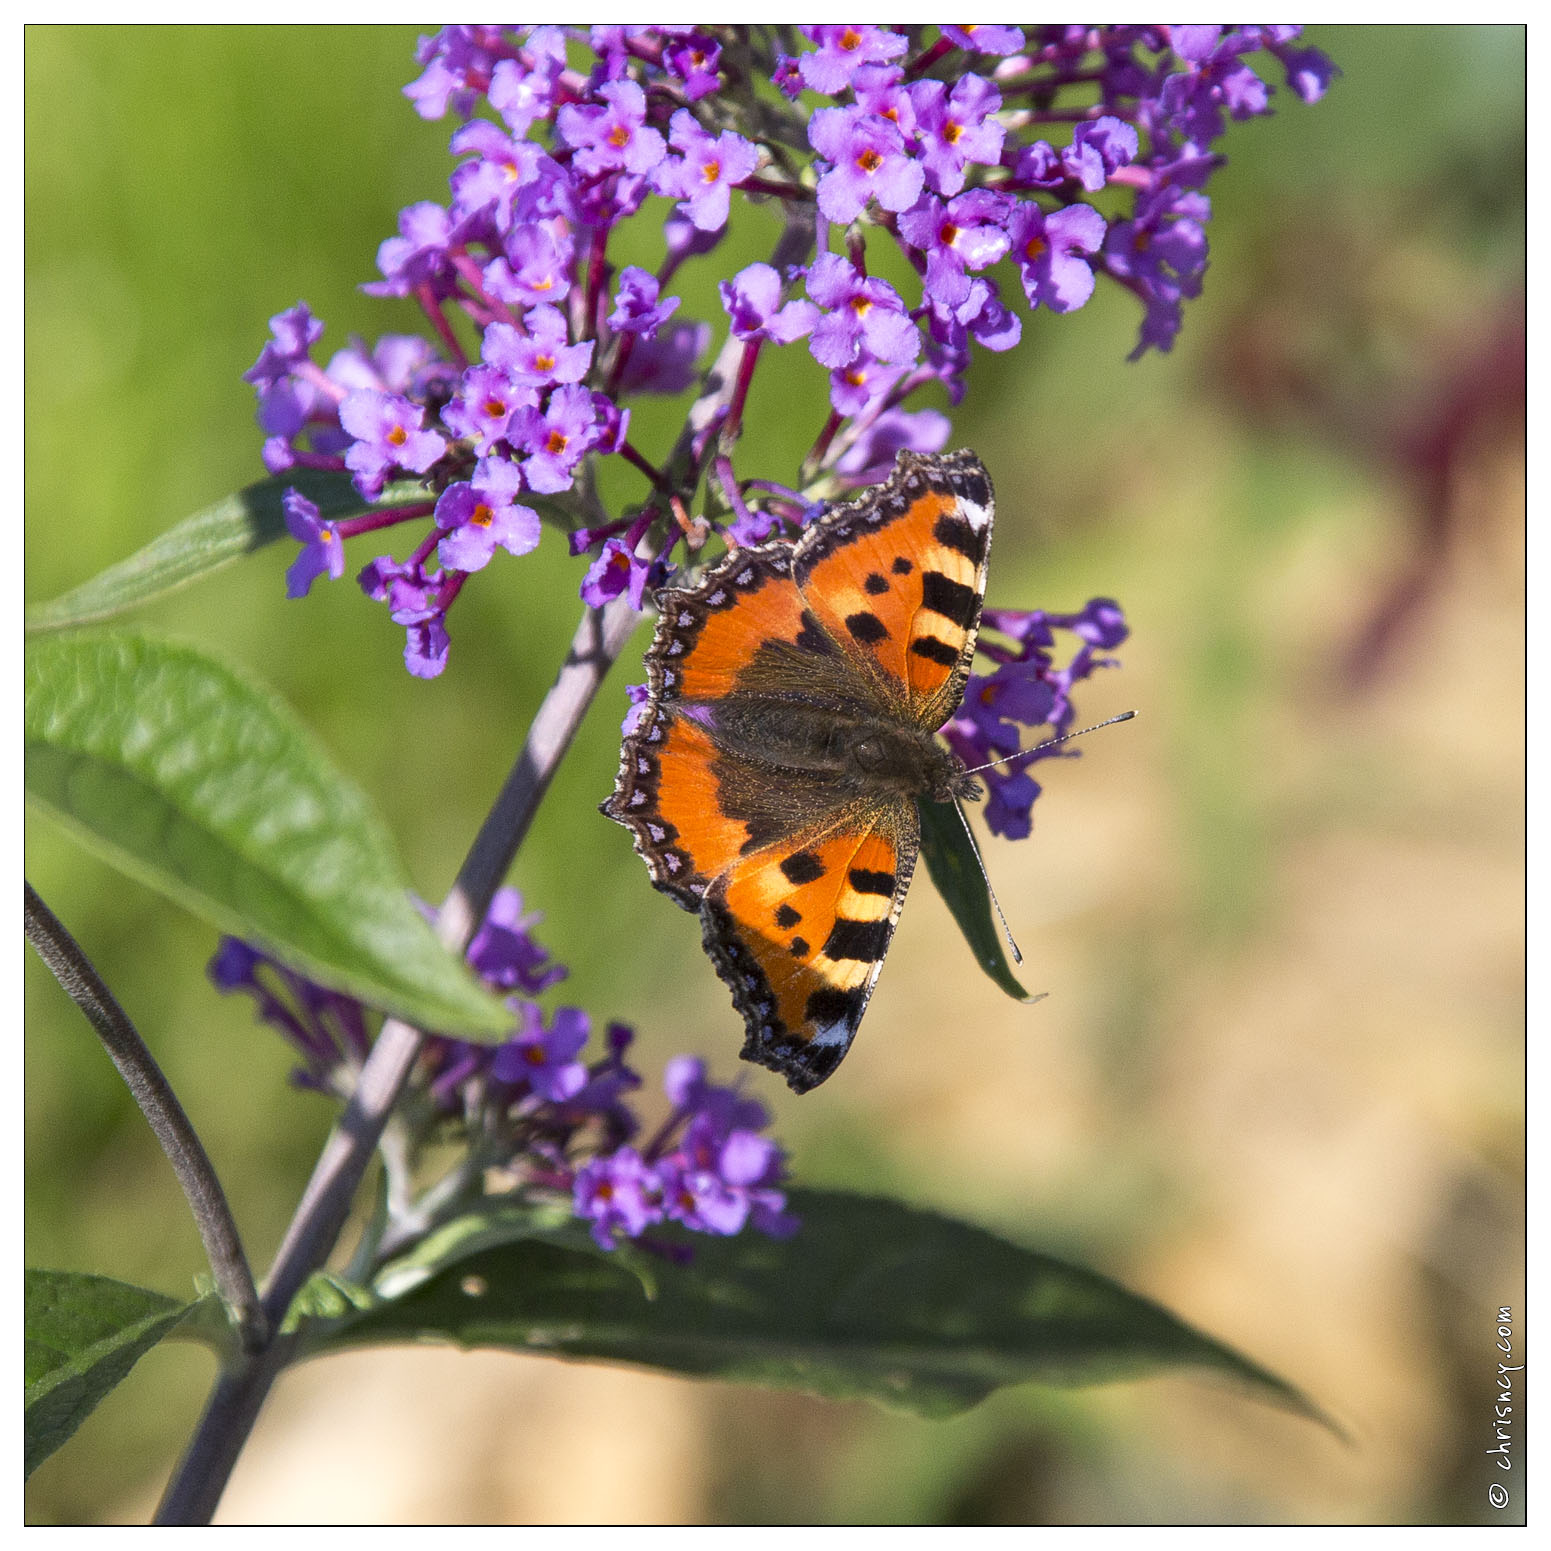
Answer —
984 154
552 1121
1027 689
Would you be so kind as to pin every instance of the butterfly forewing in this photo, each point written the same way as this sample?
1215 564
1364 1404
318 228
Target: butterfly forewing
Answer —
898 578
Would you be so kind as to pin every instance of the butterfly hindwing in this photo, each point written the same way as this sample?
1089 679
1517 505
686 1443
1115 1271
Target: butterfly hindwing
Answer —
799 932
898 577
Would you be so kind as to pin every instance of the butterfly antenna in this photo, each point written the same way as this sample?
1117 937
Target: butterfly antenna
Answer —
1050 743
1017 952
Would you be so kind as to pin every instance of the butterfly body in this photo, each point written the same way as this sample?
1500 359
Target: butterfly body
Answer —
771 782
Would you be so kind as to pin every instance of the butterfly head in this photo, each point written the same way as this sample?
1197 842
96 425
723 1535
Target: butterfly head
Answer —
884 756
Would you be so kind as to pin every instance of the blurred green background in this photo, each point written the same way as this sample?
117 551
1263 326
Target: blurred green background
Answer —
1277 1083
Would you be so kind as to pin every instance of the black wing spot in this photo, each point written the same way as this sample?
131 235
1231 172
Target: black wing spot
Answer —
865 881
802 867
786 917
830 1006
799 948
901 566
953 600
875 584
867 628
929 647
956 534
866 941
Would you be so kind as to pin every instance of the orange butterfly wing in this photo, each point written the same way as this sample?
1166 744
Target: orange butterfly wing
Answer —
898 576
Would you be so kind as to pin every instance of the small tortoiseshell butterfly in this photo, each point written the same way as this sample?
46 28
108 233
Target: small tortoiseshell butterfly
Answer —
772 780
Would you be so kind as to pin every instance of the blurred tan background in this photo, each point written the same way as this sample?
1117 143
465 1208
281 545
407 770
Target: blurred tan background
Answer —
1278 1081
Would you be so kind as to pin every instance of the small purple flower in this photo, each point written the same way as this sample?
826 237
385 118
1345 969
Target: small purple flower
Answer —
387 435
535 266
1009 800
842 51
786 77
881 90
453 59
701 1199
322 553
986 40
955 128
486 400
860 313
414 600
285 400
620 1194
1163 255
1309 71
421 255
509 182
868 160
1039 166
523 90
426 645
409 590
293 333
752 299
1098 149
968 232
701 177
994 701
612 137
874 451
480 515
695 61
546 1059
539 352
556 439
636 307
616 571
857 386
753 525
1049 251
504 953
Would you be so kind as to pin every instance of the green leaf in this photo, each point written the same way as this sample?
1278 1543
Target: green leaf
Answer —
82 1335
203 785
494 1224
208 540
952 865
871 1298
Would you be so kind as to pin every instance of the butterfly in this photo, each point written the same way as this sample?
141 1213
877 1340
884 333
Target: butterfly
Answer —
788 733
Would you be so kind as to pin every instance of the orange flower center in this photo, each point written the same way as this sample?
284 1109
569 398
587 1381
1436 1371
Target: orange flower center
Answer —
710 172
483 516
619 137
850 40
556 442
1034 247
947 234
869 161
398 436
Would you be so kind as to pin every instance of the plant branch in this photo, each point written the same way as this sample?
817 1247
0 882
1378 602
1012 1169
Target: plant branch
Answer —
234 1403
160 1106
